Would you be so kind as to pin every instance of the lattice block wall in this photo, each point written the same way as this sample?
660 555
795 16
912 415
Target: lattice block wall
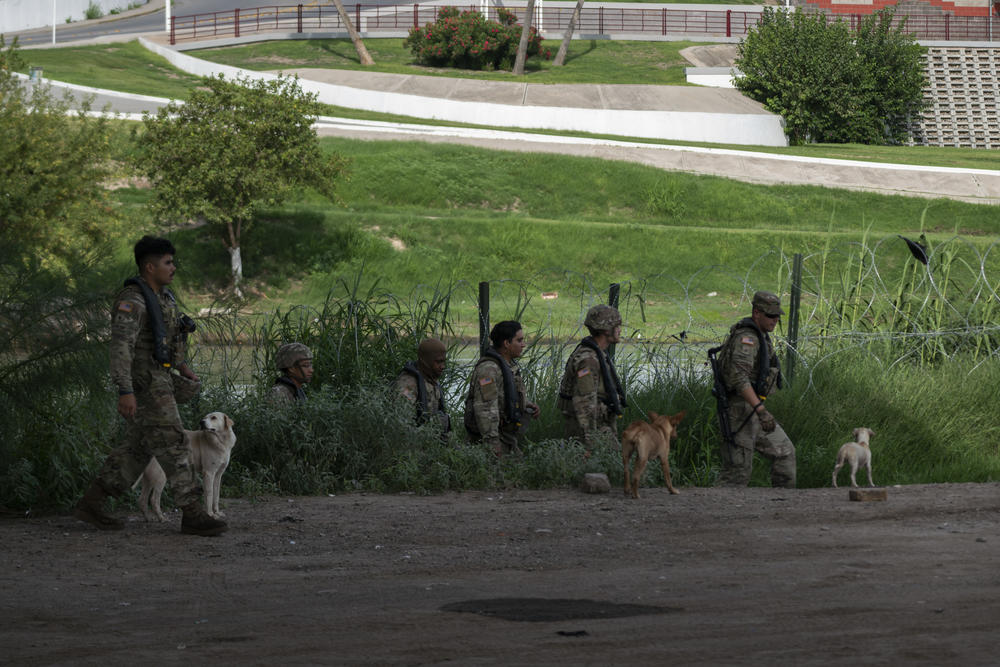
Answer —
962 91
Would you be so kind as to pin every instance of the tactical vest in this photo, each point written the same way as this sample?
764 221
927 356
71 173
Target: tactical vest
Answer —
422 403
299 392
161 328
511 397
763 382
614 394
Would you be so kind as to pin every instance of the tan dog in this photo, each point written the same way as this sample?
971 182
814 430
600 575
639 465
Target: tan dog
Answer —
649 440
210 450
857 453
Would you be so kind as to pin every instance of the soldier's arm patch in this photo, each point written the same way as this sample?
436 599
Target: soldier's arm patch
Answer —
488 391
583 371
748 340
125 307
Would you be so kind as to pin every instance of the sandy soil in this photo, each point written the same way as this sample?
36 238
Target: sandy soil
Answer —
707 577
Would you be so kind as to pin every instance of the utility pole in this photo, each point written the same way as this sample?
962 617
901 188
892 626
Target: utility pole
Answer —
53 22
166 25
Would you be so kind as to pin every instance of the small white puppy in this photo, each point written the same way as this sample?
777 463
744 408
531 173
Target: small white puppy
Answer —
210 451
857 453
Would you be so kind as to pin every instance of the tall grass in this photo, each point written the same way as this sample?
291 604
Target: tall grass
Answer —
54 388
933 419
922 300
369 442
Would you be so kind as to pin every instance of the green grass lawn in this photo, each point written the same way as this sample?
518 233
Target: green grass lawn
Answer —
587 61
123 66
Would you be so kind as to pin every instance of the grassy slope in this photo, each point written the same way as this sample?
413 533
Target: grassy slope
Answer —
130 68
459 215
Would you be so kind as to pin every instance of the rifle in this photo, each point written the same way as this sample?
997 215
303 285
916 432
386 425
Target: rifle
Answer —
721 397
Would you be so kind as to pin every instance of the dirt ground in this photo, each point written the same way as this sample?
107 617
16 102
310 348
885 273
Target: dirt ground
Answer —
708 577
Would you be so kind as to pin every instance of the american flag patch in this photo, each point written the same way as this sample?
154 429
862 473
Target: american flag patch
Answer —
485 381
747 340
125 307
583 371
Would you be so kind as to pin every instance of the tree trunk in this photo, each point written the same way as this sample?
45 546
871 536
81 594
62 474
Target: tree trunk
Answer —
236 266
522 47
235 256
359 46
561 55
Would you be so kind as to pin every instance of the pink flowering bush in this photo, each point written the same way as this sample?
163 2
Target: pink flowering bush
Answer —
467 40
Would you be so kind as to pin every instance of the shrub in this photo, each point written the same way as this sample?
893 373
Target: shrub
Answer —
93 12
56 222
467 40
830 85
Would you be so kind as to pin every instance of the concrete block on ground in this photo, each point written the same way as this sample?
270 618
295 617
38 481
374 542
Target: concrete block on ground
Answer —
865 495
595 482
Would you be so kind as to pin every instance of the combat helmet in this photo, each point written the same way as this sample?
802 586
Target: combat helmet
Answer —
602 318
290 354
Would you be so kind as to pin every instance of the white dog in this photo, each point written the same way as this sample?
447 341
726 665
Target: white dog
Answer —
210 450
857 453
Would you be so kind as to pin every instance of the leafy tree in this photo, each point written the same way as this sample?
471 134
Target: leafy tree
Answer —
53 206
894 63
828 85
55 223
231 149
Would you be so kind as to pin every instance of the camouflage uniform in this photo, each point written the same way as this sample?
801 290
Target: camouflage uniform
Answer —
156 429
582 397
407 386
740 366
283 393
485 406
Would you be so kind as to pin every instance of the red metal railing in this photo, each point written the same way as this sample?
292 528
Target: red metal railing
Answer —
552 22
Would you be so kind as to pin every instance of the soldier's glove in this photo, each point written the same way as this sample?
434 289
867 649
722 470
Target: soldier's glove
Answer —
767 422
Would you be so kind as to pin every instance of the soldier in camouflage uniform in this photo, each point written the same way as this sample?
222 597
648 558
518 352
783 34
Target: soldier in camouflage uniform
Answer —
146 335
294 362
591 397
751 373
497 410
418 384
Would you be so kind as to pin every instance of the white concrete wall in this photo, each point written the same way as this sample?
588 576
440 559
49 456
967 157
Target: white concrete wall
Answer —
712 77
27 14
762 129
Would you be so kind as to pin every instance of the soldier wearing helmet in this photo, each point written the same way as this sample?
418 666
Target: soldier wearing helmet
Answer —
591 397
750 372
294 362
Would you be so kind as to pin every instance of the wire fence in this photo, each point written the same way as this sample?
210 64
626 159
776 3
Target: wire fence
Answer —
898 301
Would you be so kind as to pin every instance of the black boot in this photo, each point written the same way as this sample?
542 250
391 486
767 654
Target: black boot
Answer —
195 521
89 508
